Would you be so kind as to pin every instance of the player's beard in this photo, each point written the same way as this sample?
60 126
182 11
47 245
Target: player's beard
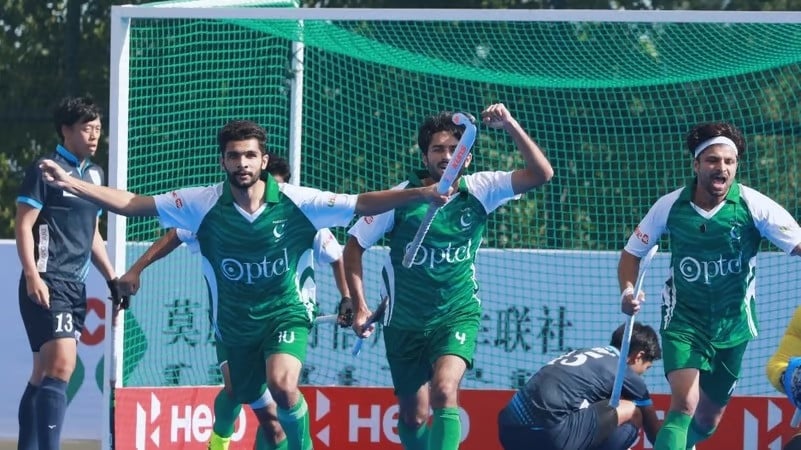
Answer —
237 183
714 187
435 172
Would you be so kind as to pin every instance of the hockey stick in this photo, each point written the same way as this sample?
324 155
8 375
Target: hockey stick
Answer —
451 173
119 303
622 363
377 315
796 421
329 318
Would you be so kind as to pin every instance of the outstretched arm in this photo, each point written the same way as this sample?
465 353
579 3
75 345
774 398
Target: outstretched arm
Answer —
377 202
117 201
538 170
129 283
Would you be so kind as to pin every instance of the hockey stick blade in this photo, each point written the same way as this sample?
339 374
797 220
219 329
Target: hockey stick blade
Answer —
377 315
329 318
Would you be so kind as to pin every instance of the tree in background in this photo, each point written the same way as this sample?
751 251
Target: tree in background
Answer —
47 50
61 47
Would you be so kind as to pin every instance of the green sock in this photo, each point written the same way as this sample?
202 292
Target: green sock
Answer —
262 444
673 433
695 434
446 429
295 422
226 410
413 438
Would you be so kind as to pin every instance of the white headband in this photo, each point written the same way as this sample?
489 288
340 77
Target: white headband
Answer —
713 141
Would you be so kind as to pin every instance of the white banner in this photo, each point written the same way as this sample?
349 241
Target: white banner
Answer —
537 305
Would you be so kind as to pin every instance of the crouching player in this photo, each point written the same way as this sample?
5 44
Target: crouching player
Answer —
565 405
784 369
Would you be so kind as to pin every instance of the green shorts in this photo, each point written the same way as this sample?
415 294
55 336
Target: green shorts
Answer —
246 363
411 354
720 367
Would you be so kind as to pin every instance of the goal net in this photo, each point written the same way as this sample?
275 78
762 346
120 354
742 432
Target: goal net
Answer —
608 95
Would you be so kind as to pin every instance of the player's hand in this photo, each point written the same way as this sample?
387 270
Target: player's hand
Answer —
345 313
360 327
129 283
496 116
118 299
434 197
630 305
53 174
37 291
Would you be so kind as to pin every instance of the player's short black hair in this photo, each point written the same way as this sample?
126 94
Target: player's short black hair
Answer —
643 339
794 444
72 110
279 166
434 124
242 130
704 131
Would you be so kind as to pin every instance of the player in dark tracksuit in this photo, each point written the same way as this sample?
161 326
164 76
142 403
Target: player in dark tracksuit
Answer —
565 405
57 238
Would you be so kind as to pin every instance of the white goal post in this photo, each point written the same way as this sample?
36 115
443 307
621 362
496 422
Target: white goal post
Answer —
121 17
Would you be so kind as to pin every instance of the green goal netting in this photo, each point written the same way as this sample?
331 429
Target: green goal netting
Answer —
609 102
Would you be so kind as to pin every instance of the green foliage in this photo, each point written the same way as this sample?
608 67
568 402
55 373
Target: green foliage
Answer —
47 50
50 49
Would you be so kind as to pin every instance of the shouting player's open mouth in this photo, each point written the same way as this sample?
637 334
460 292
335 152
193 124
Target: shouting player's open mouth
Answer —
719 183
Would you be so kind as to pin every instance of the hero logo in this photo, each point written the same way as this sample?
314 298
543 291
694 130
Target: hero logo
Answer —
755 435
182 422
369 423
692 269
236 270
377 422
143 419
432 257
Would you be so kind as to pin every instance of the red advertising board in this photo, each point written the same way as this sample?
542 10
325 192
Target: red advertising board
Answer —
348 418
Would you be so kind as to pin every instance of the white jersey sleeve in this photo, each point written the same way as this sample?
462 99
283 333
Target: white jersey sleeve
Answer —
185 208
772 220
323 209
369 229
326 247
652 226
492 189
188 238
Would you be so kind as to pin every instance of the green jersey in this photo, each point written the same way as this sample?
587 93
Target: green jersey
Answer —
255 263
710 286
326 250
441 283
